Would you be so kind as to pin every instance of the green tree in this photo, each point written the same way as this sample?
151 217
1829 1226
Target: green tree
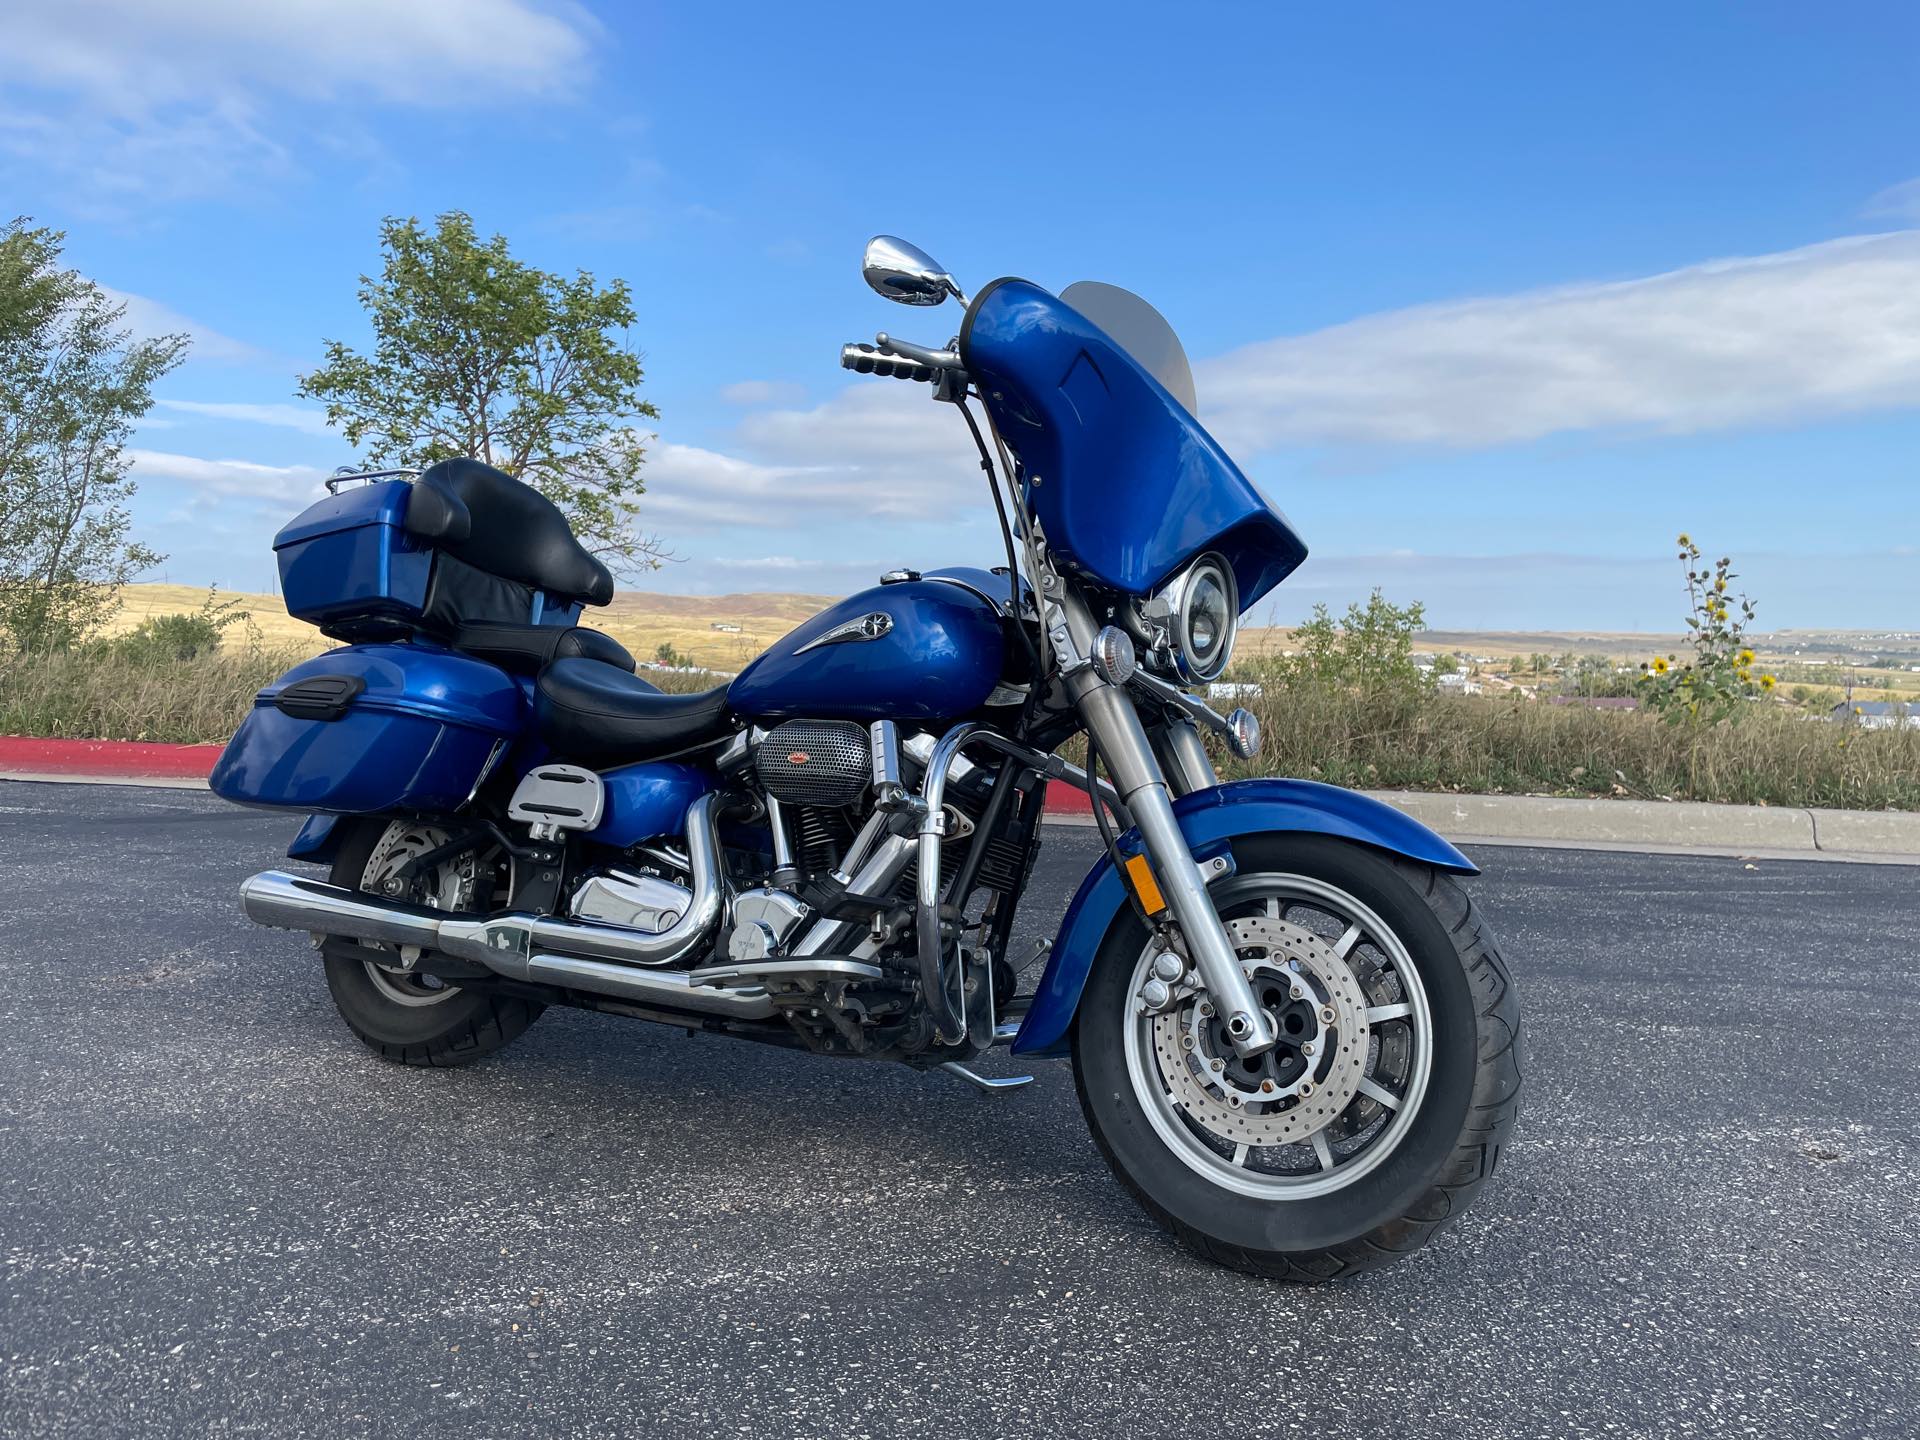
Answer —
1446 663
1370 649
73 381
478 354
1593 676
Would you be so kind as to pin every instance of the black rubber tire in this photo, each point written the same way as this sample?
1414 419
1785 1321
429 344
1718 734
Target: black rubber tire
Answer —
456 1031
1434 1172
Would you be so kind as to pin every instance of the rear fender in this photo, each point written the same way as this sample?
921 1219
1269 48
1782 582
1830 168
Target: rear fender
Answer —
319 840
1211 820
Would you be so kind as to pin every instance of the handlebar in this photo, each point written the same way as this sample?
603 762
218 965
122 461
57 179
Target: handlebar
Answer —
866 360
900 360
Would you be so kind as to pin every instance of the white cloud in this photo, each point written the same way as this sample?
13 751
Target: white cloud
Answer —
238 479
140 102
1897 202
1579 593
879 451
148 318
1827 330
289 417
1817 332
424 52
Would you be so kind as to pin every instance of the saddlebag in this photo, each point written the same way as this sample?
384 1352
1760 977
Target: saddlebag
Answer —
373 728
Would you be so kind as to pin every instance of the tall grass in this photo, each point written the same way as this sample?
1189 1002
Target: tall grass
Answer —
1770 755
1397 740
107 695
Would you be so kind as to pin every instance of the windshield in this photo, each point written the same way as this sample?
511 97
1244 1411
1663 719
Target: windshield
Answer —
1140 330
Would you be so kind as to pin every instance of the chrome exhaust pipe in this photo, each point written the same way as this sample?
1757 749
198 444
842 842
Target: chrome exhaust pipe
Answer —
541 949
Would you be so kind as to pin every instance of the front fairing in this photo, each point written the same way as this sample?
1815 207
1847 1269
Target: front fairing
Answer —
1128 487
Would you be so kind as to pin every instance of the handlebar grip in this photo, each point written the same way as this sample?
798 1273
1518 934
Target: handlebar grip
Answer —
866 360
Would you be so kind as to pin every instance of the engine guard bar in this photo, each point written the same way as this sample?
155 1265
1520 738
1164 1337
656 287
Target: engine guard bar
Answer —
949 1016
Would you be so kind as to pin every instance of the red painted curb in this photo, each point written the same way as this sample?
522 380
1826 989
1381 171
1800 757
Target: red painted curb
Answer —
1065 799
23 754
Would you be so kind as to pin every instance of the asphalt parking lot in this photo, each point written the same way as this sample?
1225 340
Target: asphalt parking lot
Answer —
220 1216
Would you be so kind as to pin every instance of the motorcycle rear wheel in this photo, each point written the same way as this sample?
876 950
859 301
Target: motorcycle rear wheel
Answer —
1383 972
404 1017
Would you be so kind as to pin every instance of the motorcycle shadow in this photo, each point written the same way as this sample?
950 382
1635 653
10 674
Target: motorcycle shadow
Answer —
774 1101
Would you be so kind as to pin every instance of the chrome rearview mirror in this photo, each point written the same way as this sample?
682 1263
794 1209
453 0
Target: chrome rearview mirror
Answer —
906 273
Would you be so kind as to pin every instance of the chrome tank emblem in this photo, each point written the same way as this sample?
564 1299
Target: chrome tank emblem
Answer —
870 626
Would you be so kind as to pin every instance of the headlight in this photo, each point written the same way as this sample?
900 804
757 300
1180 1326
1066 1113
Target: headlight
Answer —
1203 615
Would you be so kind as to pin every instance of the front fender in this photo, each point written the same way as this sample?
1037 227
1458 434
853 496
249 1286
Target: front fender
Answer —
1208 817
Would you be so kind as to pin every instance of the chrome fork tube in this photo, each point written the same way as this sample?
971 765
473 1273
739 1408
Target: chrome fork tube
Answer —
1185 757
1122 742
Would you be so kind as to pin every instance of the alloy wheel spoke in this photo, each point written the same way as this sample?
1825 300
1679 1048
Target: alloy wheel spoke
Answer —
1374 1090
1187 1093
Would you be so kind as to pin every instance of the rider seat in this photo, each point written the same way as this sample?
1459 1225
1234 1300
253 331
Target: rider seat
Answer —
591 713
528 649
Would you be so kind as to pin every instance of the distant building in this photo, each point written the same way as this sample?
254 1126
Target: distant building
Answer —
725 627
1879 714
1598 702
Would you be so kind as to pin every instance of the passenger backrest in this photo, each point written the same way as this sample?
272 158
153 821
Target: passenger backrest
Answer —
507 531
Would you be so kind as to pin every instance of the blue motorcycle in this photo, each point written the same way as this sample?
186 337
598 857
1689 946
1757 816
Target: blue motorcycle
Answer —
1291 1033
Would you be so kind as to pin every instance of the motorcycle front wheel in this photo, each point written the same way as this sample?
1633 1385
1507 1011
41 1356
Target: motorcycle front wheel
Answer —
1379 1114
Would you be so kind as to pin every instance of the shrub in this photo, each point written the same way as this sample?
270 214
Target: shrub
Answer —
163 638
1369 651
168 637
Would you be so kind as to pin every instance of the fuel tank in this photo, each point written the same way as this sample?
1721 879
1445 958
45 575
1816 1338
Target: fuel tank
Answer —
923 649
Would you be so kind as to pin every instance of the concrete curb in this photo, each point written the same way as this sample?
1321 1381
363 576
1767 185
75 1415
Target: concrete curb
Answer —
1654 827
1664 825
1645 826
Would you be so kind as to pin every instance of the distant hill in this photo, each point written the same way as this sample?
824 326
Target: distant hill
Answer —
641 621
644 621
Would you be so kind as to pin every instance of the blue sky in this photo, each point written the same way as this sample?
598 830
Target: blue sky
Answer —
1493 300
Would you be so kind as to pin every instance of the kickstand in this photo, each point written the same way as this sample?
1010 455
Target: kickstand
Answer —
987 1083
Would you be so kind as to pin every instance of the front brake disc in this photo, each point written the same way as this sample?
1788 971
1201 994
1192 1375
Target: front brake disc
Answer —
1196 1063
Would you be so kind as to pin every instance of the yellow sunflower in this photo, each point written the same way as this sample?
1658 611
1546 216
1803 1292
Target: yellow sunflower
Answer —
1767 682
1745 657
1659 664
